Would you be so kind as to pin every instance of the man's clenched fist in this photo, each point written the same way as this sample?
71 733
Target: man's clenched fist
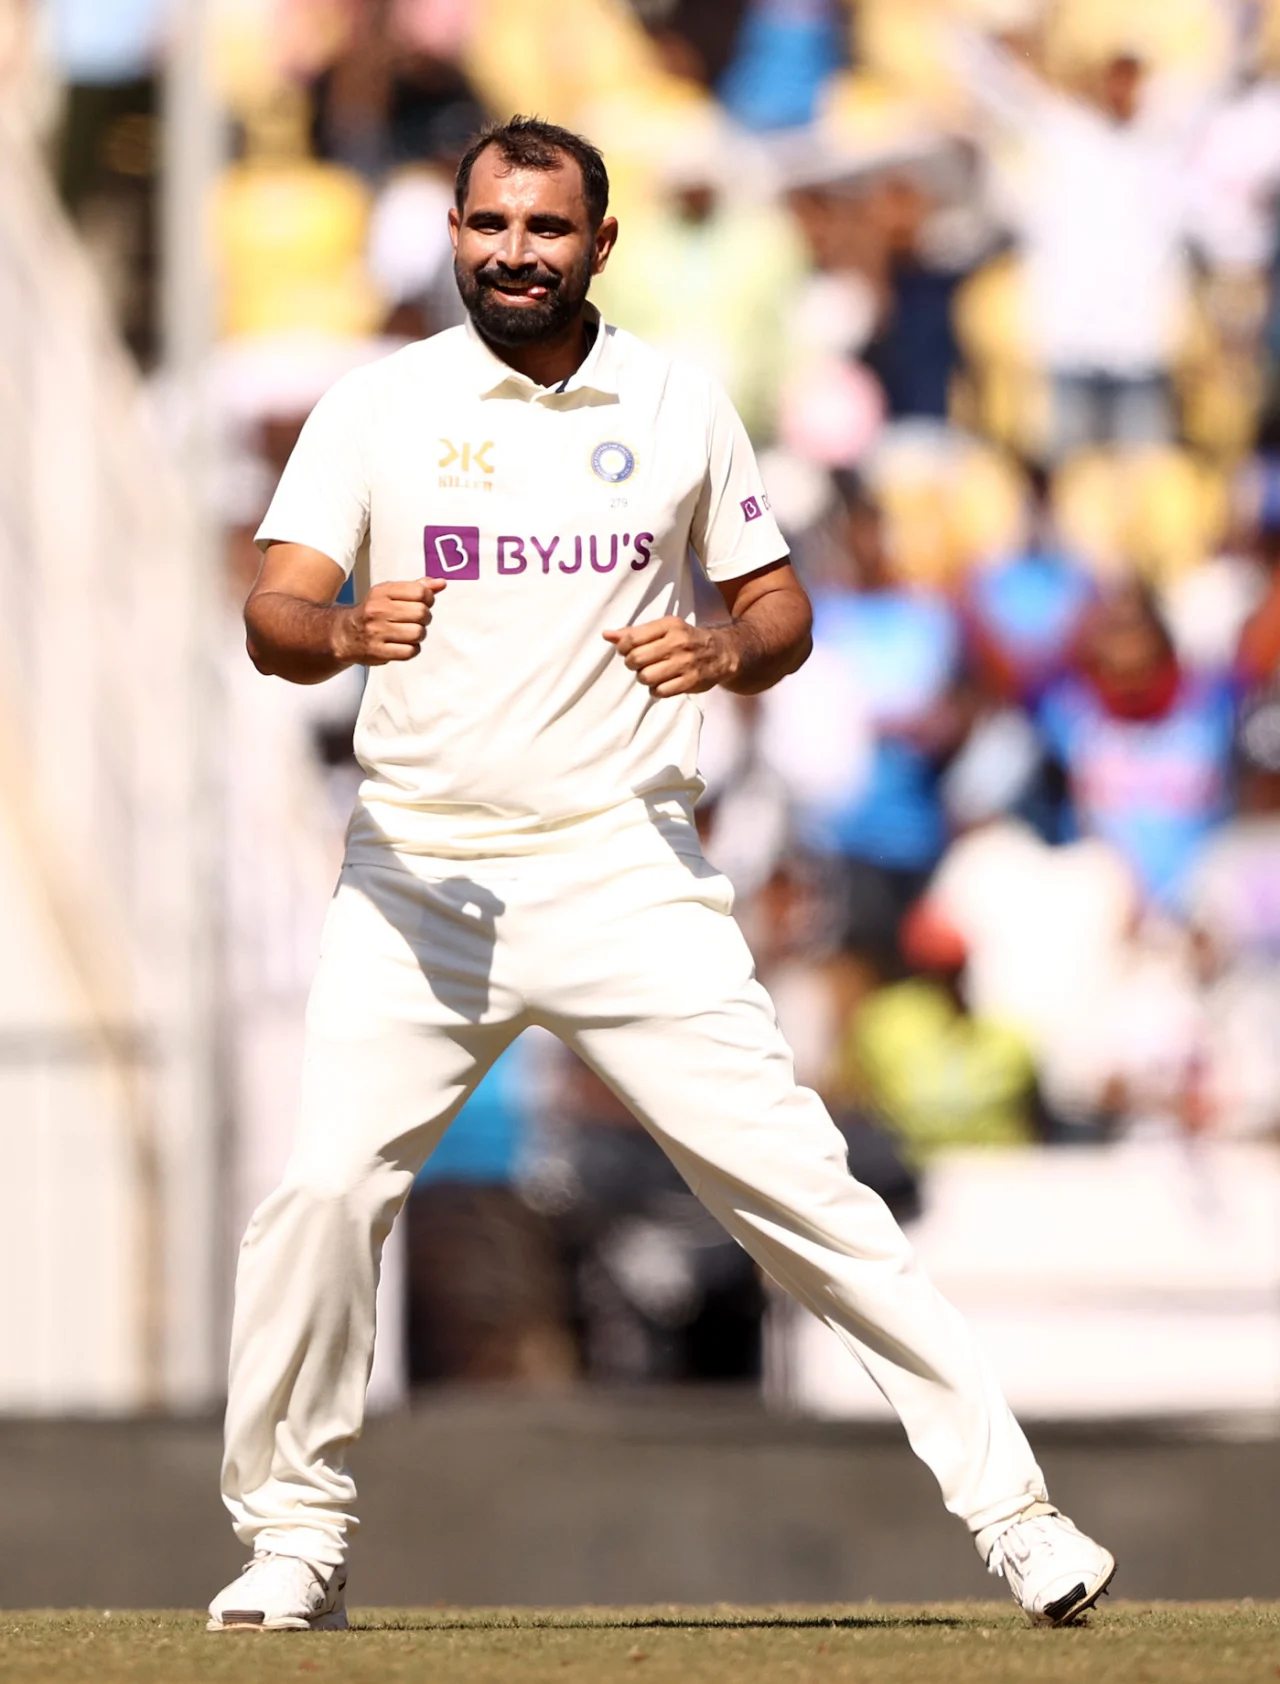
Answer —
674 658
389 625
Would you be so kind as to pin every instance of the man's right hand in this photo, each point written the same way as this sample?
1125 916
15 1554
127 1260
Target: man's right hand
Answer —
296 631
389 625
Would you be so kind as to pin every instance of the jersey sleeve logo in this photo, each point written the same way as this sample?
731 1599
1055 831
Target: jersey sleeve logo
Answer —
452 552
751 508
613 462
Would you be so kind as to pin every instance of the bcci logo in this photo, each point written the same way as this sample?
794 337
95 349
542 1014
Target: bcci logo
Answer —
612 462
452 552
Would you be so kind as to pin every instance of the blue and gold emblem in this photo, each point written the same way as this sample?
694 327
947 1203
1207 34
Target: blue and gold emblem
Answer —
613 462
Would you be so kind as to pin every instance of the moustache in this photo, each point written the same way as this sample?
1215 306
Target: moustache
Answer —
496 279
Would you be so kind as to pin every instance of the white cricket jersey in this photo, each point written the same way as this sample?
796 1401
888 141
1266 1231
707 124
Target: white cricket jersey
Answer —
554 513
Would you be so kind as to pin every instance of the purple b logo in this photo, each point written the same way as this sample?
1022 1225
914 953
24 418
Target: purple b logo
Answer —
452 552
750 508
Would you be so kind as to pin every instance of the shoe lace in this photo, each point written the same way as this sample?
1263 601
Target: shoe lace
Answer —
1023 1534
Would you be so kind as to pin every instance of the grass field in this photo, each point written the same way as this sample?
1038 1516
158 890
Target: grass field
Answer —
1127 1643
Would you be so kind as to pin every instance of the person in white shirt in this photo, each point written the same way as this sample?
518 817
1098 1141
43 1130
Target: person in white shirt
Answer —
1099 201
523 852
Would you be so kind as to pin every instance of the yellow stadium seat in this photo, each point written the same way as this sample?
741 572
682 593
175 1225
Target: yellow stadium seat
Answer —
1192 37
1007 397
1158 510
290 234
552 58
904 43
949 503
990 314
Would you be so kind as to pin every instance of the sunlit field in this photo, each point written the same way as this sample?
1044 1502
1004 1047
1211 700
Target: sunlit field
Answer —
952 1643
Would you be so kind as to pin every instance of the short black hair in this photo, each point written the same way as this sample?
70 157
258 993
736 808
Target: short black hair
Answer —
527 143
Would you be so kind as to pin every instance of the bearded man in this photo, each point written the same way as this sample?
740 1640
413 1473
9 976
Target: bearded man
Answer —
523 851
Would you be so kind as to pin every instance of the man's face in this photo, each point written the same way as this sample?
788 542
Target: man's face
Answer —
1124 646
524 249
1122 80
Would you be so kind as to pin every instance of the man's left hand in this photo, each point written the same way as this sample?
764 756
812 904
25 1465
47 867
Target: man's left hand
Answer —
674 658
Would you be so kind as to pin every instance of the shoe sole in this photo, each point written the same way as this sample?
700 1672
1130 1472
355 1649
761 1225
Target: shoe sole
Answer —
334 1620
1068 1609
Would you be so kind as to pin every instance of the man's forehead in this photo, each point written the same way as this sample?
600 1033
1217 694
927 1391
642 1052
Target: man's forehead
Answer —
495 182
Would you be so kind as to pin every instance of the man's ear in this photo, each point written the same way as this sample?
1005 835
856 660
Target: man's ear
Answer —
455 223
606 239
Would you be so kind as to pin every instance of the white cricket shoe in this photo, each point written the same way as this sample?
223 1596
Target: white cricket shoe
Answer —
1053 1570
281 1593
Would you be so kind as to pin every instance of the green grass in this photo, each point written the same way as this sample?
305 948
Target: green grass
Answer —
987 1643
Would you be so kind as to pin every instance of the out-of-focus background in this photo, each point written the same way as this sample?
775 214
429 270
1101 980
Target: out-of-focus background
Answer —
993 285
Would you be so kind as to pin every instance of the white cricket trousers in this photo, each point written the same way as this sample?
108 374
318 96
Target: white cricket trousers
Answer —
626 949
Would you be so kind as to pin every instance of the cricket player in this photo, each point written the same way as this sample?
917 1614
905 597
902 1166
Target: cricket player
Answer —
523 852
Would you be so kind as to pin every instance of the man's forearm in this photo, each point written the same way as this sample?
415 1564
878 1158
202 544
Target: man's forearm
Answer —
291 638
766 642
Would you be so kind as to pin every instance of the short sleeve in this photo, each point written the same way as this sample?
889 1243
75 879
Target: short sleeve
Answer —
322 499
733 531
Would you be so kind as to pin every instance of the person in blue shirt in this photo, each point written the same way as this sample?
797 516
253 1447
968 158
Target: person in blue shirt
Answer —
1145 747
786 50
903 648
1023 611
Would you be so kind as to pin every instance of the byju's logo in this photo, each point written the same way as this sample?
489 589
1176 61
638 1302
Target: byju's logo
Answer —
452 552
751 508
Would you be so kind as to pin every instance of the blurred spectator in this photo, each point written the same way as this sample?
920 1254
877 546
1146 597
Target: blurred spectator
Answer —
410 253
1188 1035
1145 746
884 275
1208 606
940 1074
862 732
1046 929
696 39
1234 904
1022 611
397 92
785 51
1099 207
1234 894
818 990
1233 186
913 351
428 116
835 302
708 272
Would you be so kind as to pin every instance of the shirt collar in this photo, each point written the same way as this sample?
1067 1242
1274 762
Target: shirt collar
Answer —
597 372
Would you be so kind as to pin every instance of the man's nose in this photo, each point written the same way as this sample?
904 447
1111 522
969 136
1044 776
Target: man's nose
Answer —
514 251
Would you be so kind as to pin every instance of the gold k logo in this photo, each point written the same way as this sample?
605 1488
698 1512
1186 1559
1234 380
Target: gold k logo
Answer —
466 455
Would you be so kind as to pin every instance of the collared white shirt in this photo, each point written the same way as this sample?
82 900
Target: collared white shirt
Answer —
553 513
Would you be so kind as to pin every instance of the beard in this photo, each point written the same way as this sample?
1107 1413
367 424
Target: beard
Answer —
522 324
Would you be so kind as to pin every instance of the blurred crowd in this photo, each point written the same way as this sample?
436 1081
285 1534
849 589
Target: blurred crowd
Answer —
993 285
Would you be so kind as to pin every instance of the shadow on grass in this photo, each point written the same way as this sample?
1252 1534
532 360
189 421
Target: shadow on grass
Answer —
661 1622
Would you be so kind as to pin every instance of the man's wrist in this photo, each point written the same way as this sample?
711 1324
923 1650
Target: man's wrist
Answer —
341 645
739 648
727 644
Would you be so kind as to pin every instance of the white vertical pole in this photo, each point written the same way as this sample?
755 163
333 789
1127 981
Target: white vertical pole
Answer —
195 1168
